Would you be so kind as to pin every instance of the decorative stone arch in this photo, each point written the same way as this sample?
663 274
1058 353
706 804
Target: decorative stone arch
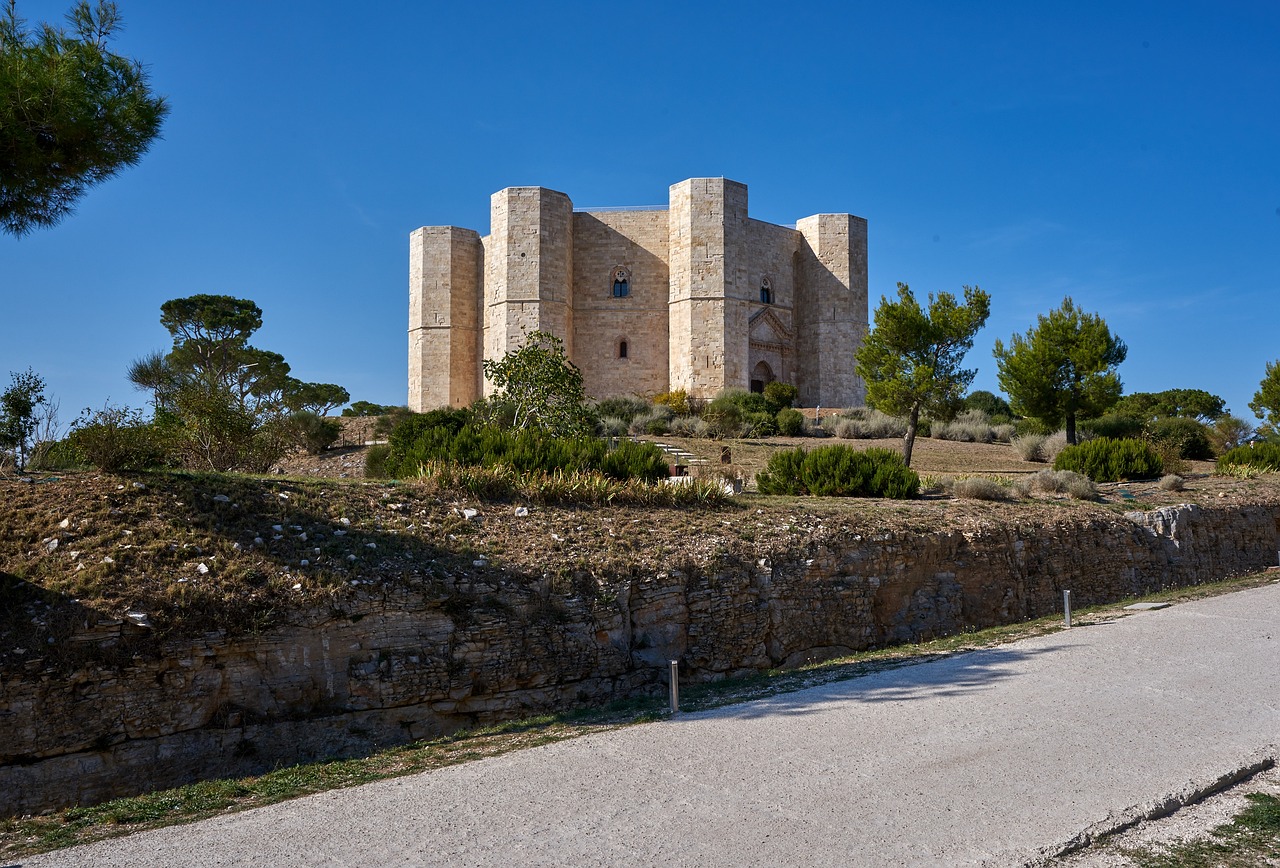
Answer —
761 376
620 281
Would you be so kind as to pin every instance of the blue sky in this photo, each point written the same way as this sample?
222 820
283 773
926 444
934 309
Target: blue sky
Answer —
1127 155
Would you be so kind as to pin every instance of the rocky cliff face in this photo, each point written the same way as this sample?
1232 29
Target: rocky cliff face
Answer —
402 665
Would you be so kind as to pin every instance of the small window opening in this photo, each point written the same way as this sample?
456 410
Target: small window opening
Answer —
621 283
622 349
766 291
757 386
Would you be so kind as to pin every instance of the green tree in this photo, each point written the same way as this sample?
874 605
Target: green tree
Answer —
227 403
996 408
1187 403
1062 369
543 388
18 413
911 359
368 408
1266 401
72 113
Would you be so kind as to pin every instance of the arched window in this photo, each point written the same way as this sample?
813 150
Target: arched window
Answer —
622 349
621 282
766 291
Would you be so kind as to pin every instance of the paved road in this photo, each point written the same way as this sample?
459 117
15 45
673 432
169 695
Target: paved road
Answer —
989 758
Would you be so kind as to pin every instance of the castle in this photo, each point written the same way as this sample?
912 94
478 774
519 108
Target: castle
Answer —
695 296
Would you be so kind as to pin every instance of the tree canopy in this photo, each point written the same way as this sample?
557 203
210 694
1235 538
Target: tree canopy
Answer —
72 113
911 359
18 413
542 387
226 400
1188 403
1266 401
1062 369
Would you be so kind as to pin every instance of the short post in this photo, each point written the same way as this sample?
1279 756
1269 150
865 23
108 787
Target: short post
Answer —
675 686
1066 607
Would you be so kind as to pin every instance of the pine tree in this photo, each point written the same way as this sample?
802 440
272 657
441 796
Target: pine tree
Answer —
911 360
72 113
1062 369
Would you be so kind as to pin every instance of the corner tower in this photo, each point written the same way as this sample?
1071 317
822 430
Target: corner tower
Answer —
831 309
708 302
444 317
528 269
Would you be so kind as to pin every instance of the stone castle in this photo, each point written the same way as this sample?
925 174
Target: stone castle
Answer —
695 296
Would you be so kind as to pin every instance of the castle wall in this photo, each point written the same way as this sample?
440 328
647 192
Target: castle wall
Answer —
710 292
602 242
528 269
831 309
771 254
444 317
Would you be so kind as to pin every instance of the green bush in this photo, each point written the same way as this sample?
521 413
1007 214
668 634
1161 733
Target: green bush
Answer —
375 461
313 433
783 474
624 408
759 424
1105 460
1187 436
838 471
631 460
116 438
1262 456
1113 426
780 396
790 422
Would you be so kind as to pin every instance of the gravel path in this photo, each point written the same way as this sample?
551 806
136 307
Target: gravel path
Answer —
998 757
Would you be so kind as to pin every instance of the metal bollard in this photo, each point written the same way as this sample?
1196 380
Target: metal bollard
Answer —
675 686
1066 607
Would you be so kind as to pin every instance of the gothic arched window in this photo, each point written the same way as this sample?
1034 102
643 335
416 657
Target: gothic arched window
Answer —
766 291
621 282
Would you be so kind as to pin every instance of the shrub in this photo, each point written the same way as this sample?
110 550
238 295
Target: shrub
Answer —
631 460
1187 437
760 424
1053 444
612 426
783 473
1030 447
981 488
791 423
1026 427
1228 432
677 402
689 426
780 396
1172 482
1003 432
1107 460
863 424
624 408
655 420
963 431
313 433
116 438
1113 425
724 417
1260 456
838 471
1082 488
375 461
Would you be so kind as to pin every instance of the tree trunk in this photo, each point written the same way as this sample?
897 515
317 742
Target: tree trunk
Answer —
910 440
1071 429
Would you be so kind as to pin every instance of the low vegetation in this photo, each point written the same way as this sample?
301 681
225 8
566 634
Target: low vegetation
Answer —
839 471
1107 460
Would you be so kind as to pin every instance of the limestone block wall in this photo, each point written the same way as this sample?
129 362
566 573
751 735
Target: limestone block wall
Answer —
831 310
772 256
528 269
710 294
636 241
405 664
445 297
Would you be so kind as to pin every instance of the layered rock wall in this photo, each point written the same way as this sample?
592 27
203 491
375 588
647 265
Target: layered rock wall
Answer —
403 666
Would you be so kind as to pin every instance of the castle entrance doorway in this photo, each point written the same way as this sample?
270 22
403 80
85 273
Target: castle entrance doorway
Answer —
761 376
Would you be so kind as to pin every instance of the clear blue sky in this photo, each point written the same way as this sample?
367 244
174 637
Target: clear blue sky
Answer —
1127 155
